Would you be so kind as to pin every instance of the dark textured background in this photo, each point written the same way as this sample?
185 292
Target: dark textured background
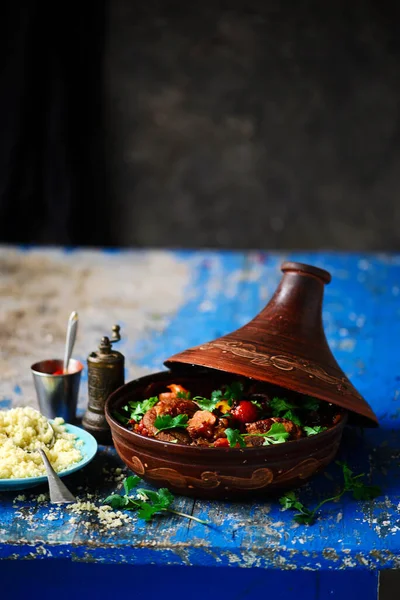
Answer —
226 124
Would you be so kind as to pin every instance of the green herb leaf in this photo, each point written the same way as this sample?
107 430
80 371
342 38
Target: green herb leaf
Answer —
234 437
304 518
309 403
288 500
164 422
352 484
277 434
314 430
206 404
147 511
130 483
229 393
210 404
116 501
280 405
146 502
184 395
139 408
234 391
366 492
291 416
217 396
162 498
257 404
120 417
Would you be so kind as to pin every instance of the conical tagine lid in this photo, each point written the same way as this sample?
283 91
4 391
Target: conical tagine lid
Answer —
285 345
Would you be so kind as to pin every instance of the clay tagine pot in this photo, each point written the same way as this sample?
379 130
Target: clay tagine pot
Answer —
285 346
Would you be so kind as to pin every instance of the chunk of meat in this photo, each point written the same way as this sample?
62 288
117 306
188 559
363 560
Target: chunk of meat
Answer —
176 388
201 442
169 404
254 441
165 436
265 425
202 424
259 426
219 430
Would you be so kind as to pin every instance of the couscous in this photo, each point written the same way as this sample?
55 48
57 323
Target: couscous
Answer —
23 430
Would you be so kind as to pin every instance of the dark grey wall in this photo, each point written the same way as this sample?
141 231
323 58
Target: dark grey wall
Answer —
254 123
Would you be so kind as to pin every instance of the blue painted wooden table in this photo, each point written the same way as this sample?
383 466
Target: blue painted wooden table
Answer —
164 302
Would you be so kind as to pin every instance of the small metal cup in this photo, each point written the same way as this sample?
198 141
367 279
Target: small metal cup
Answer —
57 394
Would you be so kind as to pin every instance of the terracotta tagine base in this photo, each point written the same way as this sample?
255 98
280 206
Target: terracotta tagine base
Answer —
215 473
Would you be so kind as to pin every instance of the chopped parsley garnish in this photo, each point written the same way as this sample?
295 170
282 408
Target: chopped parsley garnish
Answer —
184 395
352 484
309 403
147 503
277 434
314 430
281 407
134 410
231 392
234 391
234 437
120 417
205 403
257 404
164 422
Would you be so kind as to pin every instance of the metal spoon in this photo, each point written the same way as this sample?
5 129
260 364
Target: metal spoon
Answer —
70 340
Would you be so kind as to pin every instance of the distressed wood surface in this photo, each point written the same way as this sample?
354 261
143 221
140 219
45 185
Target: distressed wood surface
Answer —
165 302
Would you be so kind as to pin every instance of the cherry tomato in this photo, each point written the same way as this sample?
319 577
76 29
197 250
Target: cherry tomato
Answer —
221 443
245 412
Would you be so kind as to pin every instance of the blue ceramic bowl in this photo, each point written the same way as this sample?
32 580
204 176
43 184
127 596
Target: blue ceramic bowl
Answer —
88 450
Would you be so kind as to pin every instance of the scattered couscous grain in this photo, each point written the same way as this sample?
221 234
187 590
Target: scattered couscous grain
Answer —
108 518
24 430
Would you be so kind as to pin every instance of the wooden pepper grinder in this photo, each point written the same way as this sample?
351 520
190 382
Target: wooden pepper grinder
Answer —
105 375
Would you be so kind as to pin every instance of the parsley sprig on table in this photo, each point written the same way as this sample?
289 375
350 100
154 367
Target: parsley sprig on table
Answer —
353 484
164 422
231 392
147 503
277 434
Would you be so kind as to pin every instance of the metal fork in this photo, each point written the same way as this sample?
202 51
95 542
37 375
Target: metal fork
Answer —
59 493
